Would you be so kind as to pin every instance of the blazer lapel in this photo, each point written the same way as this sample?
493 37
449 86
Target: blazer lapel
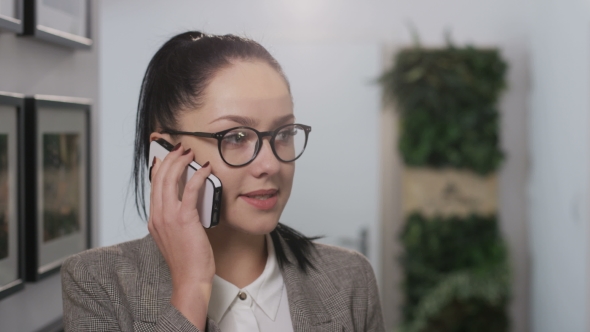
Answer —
305 292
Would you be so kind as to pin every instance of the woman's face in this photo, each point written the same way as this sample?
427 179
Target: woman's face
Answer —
253 94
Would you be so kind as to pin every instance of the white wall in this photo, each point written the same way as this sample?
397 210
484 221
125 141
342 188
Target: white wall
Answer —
132 30
560 151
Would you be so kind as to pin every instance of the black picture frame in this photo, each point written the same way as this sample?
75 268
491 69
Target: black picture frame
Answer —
11 228
41 21
57 182
13 22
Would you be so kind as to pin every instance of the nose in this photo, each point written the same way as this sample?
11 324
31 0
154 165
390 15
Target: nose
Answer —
265 163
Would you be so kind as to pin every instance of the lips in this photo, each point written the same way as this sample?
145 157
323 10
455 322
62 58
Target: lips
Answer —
264 199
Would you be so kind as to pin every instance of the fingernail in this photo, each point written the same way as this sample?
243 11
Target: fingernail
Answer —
151 168
206 164
186 151
176 147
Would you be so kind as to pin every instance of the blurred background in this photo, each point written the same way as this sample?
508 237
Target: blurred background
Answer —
354 185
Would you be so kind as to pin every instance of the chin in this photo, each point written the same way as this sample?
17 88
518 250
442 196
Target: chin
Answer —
242 217
253 225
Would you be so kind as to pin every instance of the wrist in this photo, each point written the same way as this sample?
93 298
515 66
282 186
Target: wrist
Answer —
192 300
193 289
192 281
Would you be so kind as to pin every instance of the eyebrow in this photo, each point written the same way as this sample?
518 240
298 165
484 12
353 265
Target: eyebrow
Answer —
250 122
243 120
283 119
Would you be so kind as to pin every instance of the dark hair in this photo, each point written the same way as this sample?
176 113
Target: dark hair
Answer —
174 81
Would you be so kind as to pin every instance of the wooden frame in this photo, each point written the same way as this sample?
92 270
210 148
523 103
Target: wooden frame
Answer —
11 203
46 22
12 22
57 182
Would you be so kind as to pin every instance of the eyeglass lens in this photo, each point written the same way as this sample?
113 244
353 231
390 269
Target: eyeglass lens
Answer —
239 146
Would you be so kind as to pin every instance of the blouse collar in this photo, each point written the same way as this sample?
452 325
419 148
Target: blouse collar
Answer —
265 291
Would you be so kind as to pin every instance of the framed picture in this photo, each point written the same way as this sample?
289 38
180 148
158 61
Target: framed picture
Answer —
57 185
64 22
11 15
11 176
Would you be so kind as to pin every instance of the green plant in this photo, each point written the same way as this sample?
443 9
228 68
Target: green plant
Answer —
447 99
456 268
456 275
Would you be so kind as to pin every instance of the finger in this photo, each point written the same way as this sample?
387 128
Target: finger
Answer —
153 171
177 169
193 186
155 203
160 180
164 165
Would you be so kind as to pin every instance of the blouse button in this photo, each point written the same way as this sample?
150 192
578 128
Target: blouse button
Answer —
242 295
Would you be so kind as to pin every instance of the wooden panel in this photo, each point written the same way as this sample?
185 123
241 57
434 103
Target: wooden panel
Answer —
448 192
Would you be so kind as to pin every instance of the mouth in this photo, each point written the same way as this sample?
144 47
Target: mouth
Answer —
264 199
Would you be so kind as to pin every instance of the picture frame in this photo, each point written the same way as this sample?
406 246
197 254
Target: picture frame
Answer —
57 182
11 203
11 15
64 22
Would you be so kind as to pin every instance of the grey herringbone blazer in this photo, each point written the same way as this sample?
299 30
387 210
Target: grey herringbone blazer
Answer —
127 287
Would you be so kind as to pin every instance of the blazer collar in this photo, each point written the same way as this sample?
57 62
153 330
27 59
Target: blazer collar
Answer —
305 292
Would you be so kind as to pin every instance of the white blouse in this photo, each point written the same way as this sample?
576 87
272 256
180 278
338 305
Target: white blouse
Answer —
261 306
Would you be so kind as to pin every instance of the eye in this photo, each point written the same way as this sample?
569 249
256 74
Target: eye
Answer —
235 137
240 137
286 134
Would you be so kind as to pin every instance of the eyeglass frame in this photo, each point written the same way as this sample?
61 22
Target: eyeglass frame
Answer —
261 134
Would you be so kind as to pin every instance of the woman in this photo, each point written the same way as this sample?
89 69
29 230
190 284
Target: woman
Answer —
249 273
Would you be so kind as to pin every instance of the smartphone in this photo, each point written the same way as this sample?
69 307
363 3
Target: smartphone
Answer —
209 202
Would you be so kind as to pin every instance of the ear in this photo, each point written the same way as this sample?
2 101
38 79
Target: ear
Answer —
156 135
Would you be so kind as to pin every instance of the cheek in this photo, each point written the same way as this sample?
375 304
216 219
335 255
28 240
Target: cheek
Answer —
206 153
231 179
287 174
205 150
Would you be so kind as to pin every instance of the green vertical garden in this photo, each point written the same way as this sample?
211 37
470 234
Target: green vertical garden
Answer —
456 270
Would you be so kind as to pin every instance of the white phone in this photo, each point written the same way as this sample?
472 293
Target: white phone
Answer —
209 202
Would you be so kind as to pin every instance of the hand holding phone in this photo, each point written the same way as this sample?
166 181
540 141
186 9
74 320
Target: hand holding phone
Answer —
209 201
181 240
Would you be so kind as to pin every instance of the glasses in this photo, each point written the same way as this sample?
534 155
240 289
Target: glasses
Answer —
239 146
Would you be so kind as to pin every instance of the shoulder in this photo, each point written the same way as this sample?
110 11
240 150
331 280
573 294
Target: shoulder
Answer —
104 261
342 266
344 282
338 256
98 281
